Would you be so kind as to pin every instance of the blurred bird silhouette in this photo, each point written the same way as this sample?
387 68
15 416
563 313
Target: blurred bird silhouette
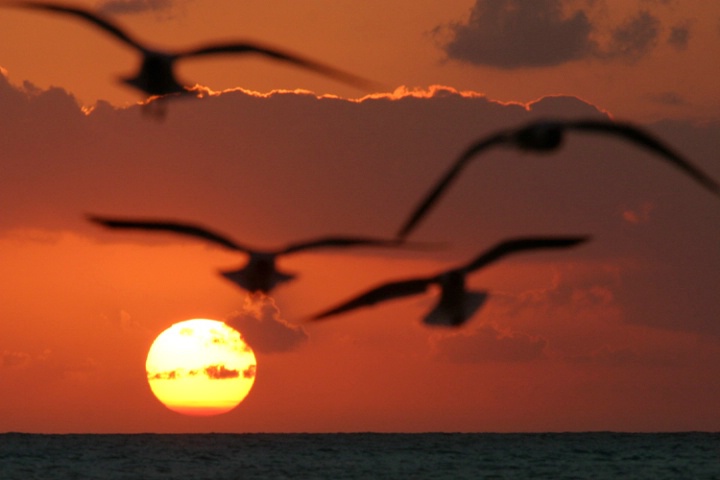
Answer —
260 273
156 75
547 136
456 304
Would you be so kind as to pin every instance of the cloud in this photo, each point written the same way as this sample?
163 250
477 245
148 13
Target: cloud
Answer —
133 7
511 34
610 355
668 98
489 344
25 103
123 321
9 359
514 34
168 375
80 370
576 292
549 105
231 161
633 39
219 372
262 327
49 366
250 371
679 37
186 332
643 354
213 372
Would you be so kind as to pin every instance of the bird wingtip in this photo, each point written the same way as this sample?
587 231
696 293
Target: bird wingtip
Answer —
315 318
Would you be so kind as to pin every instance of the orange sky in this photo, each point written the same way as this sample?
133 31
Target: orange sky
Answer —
665 67
619 334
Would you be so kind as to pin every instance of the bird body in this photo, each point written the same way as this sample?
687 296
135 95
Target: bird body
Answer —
155 76
544 136
259 274
456 304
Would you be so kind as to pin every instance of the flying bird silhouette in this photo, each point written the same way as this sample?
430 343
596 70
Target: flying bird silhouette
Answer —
456 304
156 75
260 273
547 136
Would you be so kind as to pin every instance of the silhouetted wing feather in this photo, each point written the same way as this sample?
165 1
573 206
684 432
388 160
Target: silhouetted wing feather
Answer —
106 25
169 226
432 197
516 245
249 47
382 293
339 242
644 139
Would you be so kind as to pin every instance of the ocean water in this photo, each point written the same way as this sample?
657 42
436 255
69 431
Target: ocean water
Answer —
361 455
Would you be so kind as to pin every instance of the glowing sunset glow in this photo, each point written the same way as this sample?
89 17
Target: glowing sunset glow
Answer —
619 334
200 367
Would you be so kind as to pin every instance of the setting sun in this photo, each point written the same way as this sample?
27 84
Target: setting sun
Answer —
200 367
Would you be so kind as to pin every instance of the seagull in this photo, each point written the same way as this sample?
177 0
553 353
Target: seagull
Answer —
156 76
547 136
456 304
260 274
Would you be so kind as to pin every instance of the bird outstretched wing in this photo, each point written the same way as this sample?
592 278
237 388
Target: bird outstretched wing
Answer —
340 242
170 226
384 292
646 140
515 245
439 188
103 23
281 55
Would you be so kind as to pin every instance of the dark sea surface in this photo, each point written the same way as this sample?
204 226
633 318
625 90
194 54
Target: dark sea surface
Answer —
361 455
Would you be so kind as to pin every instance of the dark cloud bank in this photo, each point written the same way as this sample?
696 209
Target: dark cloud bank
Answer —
280 167
543 33
488 344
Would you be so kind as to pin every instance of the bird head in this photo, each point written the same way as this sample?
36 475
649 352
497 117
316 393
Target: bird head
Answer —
542 136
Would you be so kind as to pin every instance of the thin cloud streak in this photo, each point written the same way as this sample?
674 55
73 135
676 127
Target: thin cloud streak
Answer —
220 372
10 359
212 372
488 343
133 7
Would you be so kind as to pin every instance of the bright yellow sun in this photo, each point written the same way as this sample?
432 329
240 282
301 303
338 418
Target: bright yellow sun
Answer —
200 367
